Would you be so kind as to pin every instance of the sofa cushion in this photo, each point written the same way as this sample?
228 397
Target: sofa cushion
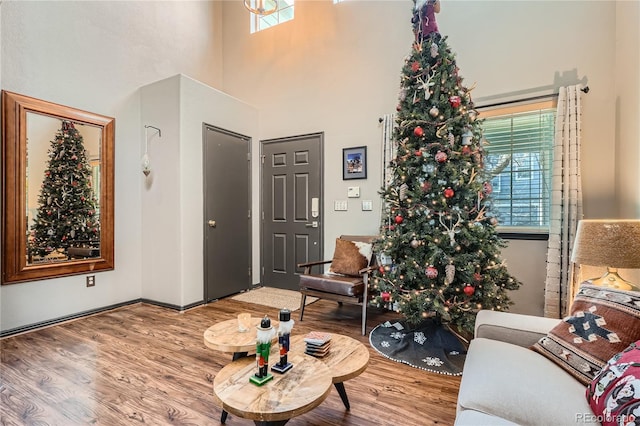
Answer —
349 257
614 394
602 322
475 418
519 385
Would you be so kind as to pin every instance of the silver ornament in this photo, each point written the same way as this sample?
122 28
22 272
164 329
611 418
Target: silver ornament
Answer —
450 273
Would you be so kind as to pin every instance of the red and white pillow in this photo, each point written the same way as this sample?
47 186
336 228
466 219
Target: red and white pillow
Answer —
614 393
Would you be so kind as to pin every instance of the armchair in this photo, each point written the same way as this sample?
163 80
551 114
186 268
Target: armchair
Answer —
348 277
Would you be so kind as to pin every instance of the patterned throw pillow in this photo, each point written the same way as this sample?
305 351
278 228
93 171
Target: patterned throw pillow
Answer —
614 394
603 321
349 257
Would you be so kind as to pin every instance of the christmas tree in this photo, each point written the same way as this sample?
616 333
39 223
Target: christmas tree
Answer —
66 213
439 244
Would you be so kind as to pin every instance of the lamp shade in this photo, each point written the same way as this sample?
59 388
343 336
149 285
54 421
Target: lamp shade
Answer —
611 243
261 7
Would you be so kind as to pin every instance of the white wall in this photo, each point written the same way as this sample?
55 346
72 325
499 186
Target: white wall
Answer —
336 68
172 197
95 56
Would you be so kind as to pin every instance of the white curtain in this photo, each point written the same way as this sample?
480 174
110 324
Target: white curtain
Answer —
566 203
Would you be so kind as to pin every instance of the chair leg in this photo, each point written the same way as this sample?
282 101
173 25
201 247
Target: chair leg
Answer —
302 302
365 301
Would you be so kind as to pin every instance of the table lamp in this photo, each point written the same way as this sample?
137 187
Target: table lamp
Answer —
611 243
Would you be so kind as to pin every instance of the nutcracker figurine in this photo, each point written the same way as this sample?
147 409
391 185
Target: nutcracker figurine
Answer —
263 346
284 334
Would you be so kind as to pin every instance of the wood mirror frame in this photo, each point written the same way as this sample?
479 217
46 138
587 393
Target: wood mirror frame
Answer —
15 265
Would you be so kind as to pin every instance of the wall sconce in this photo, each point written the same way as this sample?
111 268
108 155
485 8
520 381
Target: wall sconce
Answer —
261 7
611 243
146 162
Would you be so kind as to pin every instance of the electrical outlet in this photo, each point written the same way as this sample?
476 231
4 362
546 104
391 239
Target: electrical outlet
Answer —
91 280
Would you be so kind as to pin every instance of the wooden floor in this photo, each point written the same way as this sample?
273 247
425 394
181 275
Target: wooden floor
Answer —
147 365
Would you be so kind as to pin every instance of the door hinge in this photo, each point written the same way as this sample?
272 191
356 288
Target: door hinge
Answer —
248 156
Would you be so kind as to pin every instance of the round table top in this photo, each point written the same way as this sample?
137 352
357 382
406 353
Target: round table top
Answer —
225 336
287 395
346 359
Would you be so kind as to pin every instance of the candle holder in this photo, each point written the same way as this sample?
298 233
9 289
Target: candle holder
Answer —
284 335
263 346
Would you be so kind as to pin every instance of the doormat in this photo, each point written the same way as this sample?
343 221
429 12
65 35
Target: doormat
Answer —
428 346
274 297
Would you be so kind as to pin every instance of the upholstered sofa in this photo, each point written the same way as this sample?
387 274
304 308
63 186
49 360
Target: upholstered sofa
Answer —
506 383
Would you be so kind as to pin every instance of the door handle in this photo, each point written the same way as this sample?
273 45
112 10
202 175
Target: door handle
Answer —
212 223
313 224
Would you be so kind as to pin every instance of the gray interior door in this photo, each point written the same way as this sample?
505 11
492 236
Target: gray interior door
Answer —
227 214
291 207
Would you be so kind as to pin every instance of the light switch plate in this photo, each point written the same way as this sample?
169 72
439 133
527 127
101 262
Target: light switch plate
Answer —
353 192
367 205
340 205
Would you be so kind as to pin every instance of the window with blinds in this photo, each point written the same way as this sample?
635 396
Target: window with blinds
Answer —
284 14
518 158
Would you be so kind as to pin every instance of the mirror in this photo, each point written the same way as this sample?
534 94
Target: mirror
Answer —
57 186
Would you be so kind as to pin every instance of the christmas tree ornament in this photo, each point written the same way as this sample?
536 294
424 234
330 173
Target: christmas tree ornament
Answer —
466 150
415 66
469 290
426 186
403 191
449 193
487 188
434 111
284 340
451 138
263 346
418 131
385 296
441 157
433 50
415 243
431 272
450 273
398 219
466 137
455 101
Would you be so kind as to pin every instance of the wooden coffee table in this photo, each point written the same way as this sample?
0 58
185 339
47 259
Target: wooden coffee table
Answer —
347 358
291 394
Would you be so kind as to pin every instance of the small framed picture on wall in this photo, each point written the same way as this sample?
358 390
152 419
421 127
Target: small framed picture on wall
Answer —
354 163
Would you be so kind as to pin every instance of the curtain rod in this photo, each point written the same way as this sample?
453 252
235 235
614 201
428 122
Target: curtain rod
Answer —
585 89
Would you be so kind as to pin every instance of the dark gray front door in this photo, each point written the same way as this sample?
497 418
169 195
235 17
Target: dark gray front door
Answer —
227 216
291 207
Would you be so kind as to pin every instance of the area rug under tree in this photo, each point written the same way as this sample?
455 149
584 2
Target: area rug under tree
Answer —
274 298
428 346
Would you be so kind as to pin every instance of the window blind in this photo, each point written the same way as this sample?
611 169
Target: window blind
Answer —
519 155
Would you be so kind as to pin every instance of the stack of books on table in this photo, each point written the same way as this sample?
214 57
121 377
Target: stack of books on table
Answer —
318 343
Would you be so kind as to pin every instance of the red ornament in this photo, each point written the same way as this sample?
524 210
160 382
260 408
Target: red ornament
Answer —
455 101
415 66
477 276
441 157
386 296
418 131
399 108
426 186
381 270
399 219
487 188
431 272
418 153
466 150
469 290
448 193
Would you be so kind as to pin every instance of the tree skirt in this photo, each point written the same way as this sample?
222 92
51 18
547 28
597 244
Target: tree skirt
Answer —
428 346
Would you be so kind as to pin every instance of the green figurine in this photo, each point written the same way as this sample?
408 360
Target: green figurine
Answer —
263 347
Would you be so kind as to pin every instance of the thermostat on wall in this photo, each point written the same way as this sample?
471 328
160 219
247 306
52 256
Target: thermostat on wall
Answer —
353 192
